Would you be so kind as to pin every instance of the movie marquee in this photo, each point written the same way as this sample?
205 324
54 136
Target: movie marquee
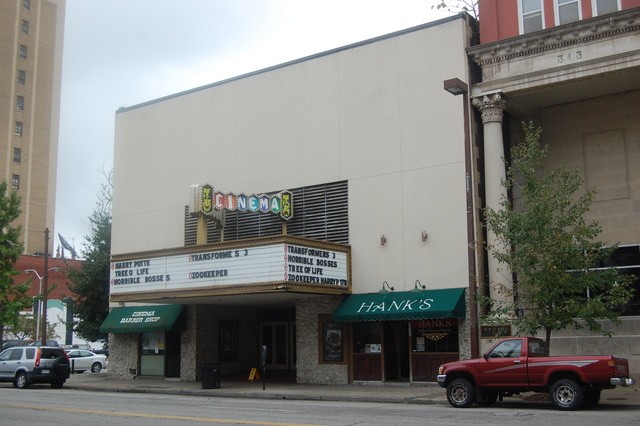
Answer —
281 262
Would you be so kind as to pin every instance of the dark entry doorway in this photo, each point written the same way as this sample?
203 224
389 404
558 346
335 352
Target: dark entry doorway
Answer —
396 351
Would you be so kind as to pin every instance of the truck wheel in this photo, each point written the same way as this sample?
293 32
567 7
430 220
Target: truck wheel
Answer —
566 394
21 381
461 393
57 384
591 398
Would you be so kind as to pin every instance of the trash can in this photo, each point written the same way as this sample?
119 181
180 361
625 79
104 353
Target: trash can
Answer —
211 376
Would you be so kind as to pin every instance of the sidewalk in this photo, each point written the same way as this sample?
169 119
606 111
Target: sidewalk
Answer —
401 393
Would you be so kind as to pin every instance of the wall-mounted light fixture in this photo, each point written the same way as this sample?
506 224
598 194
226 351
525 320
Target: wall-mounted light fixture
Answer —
384 290
383 240
418 287
424 236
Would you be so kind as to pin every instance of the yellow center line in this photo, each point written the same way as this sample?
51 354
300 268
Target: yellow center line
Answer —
154 416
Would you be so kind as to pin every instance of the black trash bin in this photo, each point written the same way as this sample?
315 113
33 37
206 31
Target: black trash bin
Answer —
211 376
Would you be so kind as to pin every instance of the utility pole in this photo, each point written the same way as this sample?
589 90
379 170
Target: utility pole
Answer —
45 287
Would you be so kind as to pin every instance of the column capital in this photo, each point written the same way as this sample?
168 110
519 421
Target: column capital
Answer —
491 107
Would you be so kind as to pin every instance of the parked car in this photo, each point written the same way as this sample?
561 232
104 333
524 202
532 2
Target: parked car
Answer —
15 342
24 365
521 364
53 343
82 361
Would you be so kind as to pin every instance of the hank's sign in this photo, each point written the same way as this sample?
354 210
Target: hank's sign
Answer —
207 201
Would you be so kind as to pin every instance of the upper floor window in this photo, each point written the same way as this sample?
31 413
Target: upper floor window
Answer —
22 77
602 7
23 51
530 16
24 27
15 182
26 4
17 155
18 128
567 11
20 103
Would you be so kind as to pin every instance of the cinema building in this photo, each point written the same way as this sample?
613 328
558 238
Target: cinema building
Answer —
323 208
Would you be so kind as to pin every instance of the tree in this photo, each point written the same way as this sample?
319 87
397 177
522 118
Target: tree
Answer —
13 298
91 281
553 248
457 6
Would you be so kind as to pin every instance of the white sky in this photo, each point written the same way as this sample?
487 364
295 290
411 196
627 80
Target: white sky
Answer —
125 52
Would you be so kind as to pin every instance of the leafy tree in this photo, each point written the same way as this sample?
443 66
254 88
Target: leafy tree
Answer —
553 248
91 281
13 298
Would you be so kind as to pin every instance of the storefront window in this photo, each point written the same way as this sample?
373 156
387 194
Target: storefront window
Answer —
367 337
435 335
153 343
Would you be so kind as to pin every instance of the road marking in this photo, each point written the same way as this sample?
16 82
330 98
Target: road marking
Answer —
154 416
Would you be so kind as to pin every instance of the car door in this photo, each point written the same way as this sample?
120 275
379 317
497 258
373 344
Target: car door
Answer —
76 360
6 364
504 365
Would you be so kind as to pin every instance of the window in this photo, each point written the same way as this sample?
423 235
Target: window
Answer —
22 77
26 4
434 335
20 103
507 349
17 155
24 27
567 11
18 129
367 337
23 51
602 7
15 182
530 16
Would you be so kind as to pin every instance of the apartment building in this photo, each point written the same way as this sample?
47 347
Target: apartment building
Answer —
31 38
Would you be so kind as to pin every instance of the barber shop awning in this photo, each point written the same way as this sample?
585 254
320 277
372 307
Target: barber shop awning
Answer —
404 305
139 319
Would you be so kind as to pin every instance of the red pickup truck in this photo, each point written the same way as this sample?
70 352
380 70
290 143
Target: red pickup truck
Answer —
521 364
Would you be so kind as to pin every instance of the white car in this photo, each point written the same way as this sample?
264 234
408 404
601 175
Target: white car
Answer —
82 360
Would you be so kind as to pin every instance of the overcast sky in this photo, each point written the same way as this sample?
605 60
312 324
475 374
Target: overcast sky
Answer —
125 52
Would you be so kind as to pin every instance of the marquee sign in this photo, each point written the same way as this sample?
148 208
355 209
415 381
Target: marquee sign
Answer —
207 201
277 262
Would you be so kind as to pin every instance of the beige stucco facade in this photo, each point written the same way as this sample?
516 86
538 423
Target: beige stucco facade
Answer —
373 114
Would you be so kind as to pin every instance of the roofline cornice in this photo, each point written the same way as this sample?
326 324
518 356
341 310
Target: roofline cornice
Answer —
607 26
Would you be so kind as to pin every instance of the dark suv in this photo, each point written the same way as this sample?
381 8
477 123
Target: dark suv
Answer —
24 365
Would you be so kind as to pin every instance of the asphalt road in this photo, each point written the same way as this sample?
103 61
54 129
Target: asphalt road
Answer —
41 405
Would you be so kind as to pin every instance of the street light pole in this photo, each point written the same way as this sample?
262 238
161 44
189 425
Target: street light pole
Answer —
457 87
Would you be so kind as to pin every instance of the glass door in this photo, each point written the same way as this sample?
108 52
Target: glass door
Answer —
275 336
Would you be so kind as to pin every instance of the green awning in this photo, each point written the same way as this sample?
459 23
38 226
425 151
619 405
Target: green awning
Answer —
139 319
404 305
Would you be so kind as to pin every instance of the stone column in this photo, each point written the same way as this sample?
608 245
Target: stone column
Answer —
492 107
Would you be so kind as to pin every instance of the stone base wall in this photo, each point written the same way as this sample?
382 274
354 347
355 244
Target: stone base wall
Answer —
624 342
309 369
124 358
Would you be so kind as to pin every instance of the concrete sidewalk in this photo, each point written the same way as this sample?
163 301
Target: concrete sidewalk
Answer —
401 393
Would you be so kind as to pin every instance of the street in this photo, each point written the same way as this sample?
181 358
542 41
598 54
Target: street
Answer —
40 405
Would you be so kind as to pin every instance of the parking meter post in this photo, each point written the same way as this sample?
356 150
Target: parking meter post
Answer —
263 356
